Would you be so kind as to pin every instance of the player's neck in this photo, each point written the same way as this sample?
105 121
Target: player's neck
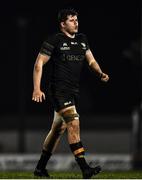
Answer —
68 34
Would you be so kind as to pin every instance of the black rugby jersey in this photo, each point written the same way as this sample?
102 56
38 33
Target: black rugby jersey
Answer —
67 56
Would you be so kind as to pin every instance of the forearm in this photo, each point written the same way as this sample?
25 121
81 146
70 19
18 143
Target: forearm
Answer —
37 74
96 68
93 63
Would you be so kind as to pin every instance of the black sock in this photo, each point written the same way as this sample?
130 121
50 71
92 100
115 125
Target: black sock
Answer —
78 151
82 163
45 156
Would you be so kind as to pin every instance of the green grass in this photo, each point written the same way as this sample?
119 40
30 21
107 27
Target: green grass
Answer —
75 175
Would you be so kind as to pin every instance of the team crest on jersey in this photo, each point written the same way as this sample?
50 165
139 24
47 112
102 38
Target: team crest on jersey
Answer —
83 45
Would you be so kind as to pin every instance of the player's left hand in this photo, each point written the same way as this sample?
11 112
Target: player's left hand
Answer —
104 77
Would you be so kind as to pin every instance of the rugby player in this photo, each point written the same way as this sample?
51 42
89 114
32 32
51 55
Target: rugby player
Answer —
67 50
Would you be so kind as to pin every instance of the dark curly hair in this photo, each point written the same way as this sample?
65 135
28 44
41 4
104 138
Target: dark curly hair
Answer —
64 13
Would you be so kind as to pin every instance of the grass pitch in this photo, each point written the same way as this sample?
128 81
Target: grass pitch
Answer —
74 175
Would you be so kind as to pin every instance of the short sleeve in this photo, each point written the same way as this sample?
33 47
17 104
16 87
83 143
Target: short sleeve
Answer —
48 45
85 41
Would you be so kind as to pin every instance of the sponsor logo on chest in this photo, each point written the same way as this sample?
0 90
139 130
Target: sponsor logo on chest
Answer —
64 47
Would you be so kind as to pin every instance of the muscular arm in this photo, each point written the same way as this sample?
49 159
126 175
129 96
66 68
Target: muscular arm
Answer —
92 62
37 75
95 66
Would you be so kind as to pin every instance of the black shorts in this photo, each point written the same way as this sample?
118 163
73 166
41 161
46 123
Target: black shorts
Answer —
61 101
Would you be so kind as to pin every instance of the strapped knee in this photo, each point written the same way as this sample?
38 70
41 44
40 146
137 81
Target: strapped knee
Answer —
70 117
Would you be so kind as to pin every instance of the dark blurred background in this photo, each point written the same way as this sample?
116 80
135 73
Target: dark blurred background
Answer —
114 33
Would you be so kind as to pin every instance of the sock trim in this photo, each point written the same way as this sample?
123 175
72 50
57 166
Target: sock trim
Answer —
78 151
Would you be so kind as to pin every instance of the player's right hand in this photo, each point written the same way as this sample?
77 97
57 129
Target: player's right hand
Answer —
38 96
104 77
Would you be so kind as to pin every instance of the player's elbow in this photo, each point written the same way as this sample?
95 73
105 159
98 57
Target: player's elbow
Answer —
37 67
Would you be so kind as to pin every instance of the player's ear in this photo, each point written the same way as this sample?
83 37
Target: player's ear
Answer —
62 24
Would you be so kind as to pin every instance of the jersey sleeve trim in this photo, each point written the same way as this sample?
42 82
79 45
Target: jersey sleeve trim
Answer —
48 45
